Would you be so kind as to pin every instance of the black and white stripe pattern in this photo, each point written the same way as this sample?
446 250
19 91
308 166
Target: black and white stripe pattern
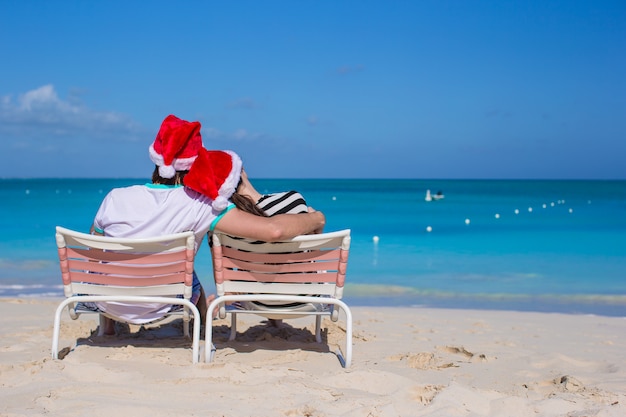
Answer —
290 202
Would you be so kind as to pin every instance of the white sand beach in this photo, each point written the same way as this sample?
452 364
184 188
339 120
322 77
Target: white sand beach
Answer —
406 362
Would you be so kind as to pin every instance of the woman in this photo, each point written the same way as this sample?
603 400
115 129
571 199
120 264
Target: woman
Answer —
246 198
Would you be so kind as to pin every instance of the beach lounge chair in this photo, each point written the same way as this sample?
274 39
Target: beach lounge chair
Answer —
251 276
103 269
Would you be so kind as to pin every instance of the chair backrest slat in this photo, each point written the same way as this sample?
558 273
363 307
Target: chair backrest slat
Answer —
98 280
282 268
92 254
302 256
127 269
147 245
299 243
322 277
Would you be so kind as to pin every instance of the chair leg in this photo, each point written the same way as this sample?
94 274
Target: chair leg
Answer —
209 347
56 330
348 352
233 327
318 328
186 325
72 312
102 324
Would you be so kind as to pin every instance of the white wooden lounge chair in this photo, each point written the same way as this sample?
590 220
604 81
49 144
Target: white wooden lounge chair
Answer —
104 269
249 273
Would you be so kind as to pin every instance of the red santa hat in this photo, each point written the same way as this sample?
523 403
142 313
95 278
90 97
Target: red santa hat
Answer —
215 174
176 145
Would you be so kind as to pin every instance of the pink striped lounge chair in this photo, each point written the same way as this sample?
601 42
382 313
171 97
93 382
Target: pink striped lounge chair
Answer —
103 269
256 276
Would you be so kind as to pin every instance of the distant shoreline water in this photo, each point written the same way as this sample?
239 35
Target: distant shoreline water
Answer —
536 245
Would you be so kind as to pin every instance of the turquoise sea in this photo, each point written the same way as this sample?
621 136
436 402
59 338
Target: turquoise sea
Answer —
556 246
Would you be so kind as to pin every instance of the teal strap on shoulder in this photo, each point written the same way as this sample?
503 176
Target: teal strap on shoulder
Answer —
218 218
162 186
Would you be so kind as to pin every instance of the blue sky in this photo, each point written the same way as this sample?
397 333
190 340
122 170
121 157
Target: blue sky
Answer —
318 89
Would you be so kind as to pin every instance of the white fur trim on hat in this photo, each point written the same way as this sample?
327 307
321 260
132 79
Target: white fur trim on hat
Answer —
229 186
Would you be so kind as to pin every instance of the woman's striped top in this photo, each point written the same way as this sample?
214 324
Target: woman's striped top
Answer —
289 202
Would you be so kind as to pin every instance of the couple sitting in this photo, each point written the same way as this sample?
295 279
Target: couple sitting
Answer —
194 189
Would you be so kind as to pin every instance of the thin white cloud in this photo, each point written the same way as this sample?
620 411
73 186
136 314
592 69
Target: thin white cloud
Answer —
237 135
314 120
41 113
349 69
246 103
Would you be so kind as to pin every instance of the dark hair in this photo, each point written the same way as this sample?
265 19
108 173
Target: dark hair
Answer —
177 179
245 203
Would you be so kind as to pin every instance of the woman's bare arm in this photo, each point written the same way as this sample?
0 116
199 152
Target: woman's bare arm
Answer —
271 229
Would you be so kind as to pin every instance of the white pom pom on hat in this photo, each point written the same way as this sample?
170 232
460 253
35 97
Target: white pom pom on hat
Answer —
167 171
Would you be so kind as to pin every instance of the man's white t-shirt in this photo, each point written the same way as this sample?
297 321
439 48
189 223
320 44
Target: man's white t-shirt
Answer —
155 210
147 211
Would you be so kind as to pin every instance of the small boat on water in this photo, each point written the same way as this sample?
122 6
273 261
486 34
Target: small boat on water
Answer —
431 197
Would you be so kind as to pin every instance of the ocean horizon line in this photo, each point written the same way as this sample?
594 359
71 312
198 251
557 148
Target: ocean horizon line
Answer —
147 177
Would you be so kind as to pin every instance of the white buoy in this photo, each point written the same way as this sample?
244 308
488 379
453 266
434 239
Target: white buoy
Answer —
429 229
552 204
516 211
428 196
544 206
530 209
497 215
571 210
375 239
334 198
27 191
467 221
